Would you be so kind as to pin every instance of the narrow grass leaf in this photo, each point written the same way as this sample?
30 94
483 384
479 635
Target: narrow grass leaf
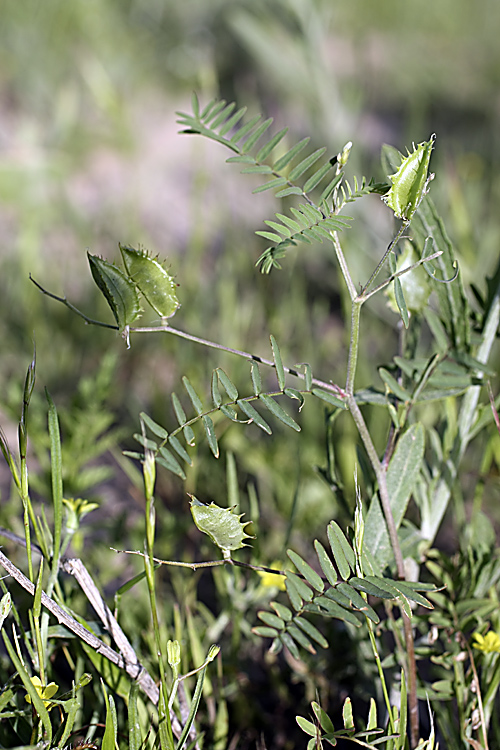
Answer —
227 384
278 411
111 725
36 701
195 399
305 569
311 631
254 415
326 564
211 437
134 725
56 478
278 363
167 460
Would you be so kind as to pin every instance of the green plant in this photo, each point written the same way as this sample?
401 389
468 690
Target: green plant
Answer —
442 361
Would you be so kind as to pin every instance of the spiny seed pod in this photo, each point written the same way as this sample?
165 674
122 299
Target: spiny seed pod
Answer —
151 279
119 290
223 526
410 181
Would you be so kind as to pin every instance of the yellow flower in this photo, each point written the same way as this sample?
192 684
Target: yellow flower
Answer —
45 692
273 579
489 643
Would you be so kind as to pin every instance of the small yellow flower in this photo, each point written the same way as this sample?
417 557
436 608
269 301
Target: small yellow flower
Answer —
489 643
44 691
273 579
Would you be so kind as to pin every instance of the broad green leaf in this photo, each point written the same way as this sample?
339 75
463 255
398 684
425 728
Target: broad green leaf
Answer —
301 638
342 551
330 398
284 612
288 641
227 384
254 415
211 436
305 569
216 395
293 594
280 372
284 160
155 428
323 718
326 564
256 379
296 395
316 178
358 602
307 726
306 164
264 152
182 419
195 399
278 411
393 386
347 714
180 450
167 460
402 474
264 631
311 631
303 589
272 620
332 609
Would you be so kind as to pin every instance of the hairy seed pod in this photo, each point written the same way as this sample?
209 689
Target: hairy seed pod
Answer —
410 181
119 290
155 284
223 526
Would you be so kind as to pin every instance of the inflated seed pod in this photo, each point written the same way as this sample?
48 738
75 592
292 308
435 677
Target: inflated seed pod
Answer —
119 290
222 525
409 182
152 280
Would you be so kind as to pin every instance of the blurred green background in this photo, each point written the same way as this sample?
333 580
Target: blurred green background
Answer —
90 155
